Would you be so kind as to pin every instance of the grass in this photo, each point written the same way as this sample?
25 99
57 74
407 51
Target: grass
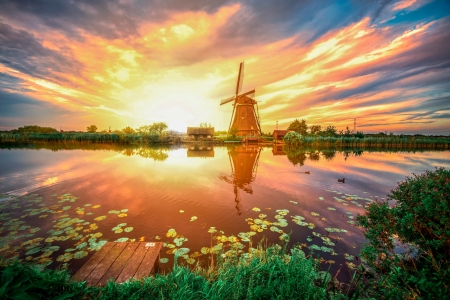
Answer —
84 137
391 142
268 273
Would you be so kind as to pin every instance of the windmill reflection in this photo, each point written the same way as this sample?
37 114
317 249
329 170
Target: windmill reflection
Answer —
244 164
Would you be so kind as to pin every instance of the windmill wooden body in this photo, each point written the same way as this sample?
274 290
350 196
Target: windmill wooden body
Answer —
245 116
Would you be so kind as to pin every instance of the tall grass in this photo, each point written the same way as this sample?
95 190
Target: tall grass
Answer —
83 137
375 142
266 274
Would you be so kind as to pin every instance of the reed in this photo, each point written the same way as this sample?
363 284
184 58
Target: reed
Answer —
374 142
152 138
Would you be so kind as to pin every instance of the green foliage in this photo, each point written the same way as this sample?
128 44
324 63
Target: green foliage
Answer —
359 134
91 129
158 127
27 282
315 129
262 274
128 130
299 127
232 133
330 131
418 222
34 128
205 125
293 138
394 142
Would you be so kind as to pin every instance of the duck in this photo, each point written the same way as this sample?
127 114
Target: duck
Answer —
342 180
307 172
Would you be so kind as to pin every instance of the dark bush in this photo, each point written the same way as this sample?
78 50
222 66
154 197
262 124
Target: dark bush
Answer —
409 237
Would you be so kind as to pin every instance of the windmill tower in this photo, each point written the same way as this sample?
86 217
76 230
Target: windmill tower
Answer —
245 116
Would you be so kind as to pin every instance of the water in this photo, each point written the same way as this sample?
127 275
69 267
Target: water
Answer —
190 190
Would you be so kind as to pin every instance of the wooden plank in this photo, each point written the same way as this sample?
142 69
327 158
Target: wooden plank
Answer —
105 264
90 265
117 267
133 264
150 261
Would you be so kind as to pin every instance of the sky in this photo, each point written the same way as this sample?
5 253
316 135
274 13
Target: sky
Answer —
70 64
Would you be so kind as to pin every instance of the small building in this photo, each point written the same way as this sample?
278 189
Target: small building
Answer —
201 133
278 135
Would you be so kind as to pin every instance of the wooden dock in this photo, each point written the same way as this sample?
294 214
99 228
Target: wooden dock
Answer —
120 262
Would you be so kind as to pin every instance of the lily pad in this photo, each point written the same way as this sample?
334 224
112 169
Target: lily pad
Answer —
171 233
128 229
121 240
163 260
256 209
80 254
193 218
335 230
100 218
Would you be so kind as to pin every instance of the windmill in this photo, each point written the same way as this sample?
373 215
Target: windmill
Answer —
245 116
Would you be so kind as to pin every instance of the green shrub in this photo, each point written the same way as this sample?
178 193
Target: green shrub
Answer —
409 241
293 138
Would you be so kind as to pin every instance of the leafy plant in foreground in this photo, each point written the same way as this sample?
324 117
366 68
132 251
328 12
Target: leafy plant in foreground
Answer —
409 242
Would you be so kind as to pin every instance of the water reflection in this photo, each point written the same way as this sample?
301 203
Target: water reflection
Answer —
200 151
244 165
109 179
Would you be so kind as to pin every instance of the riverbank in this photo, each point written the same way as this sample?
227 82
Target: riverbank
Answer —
267 273
388 142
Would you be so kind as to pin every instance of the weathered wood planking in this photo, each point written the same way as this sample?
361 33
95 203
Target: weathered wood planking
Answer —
120 262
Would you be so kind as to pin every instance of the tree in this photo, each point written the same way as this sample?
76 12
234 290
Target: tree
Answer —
299 127
146 129
34 128
128 130
315 129
91 128
158 127
330 131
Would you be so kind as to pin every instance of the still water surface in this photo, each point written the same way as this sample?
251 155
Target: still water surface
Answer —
72 200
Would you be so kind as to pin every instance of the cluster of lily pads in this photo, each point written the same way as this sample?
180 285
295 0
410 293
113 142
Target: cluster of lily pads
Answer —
72 237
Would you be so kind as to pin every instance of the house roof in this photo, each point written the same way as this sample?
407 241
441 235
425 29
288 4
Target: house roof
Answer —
279 132
200 130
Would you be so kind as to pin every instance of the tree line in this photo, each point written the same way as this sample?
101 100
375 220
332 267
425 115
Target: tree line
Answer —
302 128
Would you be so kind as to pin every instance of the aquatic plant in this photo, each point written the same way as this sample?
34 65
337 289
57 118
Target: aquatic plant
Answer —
293 139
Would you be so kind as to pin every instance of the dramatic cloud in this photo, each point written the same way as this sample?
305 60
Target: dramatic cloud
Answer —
120 63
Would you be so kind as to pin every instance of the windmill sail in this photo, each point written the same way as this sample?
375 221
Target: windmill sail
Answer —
244 117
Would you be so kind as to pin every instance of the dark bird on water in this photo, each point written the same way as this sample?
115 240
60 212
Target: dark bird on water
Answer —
341 180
